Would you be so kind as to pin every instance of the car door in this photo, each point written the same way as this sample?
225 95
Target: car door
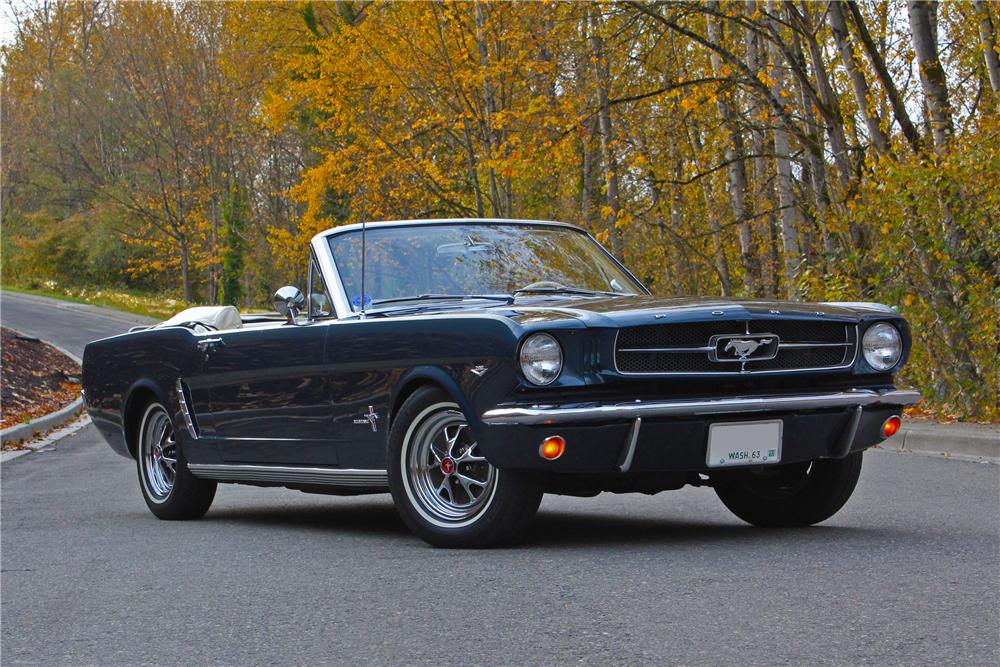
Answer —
268 395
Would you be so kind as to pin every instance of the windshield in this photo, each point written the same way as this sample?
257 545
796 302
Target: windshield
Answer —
470 259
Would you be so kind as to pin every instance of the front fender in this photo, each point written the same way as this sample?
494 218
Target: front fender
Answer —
434 375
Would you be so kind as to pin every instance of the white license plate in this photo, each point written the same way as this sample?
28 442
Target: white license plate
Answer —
744 443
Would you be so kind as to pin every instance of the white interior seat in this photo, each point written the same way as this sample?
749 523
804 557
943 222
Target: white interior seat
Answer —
212 318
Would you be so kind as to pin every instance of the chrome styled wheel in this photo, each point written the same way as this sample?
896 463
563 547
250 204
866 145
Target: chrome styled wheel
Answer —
444 473
170 490
158 453
445 490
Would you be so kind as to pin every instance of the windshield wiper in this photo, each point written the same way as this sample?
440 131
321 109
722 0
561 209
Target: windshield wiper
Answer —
568 290
444 297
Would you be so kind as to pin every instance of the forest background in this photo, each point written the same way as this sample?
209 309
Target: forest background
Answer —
166 153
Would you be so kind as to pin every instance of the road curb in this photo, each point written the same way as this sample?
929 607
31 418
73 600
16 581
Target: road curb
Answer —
50 439
22 432
968 441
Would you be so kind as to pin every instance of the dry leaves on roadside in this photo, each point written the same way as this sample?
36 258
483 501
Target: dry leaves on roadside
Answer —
36 379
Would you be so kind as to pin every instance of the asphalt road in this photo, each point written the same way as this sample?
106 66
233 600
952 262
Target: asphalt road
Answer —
906 573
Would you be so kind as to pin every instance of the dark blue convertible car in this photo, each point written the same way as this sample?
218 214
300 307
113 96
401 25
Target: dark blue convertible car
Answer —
469 366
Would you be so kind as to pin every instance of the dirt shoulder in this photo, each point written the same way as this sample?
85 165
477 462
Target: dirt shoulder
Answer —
36 379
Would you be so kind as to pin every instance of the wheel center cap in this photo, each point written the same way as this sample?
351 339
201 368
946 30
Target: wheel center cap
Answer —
448 465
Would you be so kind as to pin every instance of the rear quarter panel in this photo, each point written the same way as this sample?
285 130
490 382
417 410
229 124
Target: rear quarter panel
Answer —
116 368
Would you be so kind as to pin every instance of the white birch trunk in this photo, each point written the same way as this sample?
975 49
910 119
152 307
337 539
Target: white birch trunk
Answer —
782 150
989 41
932 78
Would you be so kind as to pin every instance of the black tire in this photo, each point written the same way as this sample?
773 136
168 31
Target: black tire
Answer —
794 495
506 500
170 490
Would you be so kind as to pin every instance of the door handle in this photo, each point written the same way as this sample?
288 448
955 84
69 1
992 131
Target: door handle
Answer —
210 343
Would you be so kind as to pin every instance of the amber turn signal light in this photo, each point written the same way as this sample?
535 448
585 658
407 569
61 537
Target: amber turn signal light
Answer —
891 426
552 447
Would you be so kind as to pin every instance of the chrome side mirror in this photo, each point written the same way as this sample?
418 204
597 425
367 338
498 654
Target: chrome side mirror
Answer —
288 301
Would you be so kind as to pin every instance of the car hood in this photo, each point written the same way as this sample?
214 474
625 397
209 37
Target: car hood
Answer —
632 310
641 309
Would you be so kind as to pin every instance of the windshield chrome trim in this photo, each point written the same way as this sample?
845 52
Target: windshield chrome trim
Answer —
337 293
343 229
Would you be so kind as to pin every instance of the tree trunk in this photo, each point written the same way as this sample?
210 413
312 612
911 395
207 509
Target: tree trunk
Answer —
185 269
586 184
718 242
604 119
834 121
834 125
737 171
859 85
489 111
683 257
782 151
932 79
988 39
763 188
923 26
888 85
815 148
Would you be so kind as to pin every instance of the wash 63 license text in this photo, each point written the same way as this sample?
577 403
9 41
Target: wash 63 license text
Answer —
744 443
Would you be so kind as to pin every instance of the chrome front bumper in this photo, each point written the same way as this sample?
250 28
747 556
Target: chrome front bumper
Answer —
602 412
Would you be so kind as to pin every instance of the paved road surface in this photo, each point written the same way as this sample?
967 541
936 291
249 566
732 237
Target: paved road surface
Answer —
907 573
69 325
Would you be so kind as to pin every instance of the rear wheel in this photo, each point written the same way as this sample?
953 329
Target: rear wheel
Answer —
792 495
445 490
169 488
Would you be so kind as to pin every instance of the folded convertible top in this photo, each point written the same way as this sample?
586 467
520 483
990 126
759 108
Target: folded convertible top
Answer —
210 318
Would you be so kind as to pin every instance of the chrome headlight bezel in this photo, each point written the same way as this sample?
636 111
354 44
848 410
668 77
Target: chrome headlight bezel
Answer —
540 359
882 346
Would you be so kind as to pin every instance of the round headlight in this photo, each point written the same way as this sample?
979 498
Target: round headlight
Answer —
541 358
882 346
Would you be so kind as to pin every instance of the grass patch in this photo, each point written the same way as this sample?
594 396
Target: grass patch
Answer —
150 305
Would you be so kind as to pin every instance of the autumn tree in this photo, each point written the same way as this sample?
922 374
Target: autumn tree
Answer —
839 150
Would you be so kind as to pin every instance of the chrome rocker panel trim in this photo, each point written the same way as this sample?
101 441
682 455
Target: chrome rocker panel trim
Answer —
550 414
291 475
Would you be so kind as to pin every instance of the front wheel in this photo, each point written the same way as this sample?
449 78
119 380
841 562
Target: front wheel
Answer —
791 495
445 490
169 488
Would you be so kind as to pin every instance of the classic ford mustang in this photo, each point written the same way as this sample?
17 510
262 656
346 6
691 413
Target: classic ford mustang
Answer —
469 366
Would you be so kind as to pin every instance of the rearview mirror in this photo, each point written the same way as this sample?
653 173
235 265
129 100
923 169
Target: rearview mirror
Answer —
288 301
465 248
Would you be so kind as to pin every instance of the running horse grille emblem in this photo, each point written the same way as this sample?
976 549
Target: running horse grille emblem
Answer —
744 348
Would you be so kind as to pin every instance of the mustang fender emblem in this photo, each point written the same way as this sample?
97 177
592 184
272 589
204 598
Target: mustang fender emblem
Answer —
370 417
744 348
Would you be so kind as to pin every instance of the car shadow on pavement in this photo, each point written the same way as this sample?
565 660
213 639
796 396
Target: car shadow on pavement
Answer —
371 517
549 529
574 529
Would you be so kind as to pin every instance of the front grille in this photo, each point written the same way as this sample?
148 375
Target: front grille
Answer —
685 347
